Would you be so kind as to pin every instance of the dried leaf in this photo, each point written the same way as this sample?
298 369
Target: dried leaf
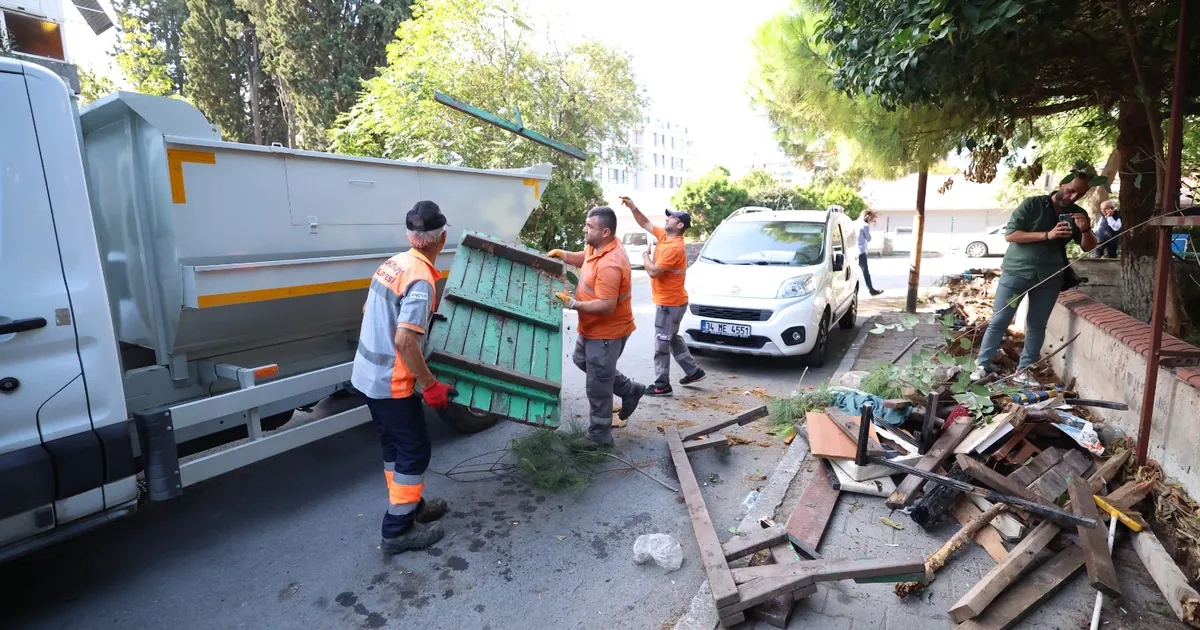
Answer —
890 523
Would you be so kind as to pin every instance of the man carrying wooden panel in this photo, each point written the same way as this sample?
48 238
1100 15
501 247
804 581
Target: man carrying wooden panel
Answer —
603 301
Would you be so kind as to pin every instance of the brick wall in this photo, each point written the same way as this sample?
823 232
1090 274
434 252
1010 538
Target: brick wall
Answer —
1108 362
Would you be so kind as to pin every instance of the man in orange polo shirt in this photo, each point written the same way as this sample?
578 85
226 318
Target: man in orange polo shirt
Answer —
667 270
389 364
602 299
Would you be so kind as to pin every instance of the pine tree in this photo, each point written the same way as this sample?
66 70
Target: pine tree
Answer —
215 45
149 49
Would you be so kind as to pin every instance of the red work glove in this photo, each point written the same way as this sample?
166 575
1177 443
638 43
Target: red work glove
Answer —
438 395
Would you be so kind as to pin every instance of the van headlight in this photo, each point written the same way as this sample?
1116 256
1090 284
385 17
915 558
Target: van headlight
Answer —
797 287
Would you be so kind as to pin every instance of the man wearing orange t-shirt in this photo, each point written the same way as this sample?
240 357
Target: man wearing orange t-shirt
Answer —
602 299
667 270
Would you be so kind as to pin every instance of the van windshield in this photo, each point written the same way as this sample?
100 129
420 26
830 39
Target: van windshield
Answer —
634 238
792 243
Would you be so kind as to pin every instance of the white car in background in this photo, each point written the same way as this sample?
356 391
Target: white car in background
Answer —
772 283
636 243
989 242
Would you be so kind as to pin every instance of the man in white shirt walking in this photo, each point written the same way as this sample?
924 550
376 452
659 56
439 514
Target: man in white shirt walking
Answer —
1108 227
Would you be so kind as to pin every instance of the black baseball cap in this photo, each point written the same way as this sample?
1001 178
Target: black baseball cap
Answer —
682 217
426 216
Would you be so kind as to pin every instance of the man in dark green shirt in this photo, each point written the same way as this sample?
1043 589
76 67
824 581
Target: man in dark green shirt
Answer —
1033 266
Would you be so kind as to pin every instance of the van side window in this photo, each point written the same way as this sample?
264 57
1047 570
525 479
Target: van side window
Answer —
839 243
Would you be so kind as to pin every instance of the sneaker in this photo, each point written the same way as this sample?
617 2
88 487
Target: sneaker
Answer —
431 510
876 292
979 374
419 536
630 403
655 390
688 380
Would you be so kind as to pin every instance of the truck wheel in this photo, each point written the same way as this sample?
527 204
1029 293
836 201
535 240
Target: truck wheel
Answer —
466 420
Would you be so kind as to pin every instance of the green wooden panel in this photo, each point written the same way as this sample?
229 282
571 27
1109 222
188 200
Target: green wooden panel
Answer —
510 320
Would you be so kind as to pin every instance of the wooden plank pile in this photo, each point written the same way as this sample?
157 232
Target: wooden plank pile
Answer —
769 592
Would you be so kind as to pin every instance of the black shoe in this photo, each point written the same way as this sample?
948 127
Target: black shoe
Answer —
875 292
431 510
655 390
419 536
688 380
630 403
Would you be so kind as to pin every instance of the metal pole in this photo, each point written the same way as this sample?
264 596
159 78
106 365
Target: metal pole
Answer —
1170 204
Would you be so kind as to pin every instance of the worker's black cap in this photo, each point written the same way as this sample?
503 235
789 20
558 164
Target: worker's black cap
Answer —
682 217
426 216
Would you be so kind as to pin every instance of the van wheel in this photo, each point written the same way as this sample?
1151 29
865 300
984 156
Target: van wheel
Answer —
467 420
850 317
976 250
816 357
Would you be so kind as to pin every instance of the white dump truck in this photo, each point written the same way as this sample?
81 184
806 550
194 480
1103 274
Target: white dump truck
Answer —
163 292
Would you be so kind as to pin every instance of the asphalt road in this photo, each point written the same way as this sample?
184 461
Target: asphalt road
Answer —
291 542
891 273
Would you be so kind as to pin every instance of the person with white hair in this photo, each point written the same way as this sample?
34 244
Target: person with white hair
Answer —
388 366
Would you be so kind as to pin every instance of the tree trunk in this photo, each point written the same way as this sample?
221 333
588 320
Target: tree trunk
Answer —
1138 191
255 83
914 270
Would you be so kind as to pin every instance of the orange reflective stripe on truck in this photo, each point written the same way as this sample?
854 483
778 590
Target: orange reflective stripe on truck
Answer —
175 160
280 293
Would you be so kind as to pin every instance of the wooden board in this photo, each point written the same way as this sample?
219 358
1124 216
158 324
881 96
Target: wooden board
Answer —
720 580
1180 596
1024 597
1003 574
1102 575
812 512
1029 473
850 427
826 439
713 441
516 254
882 487
1009 527
950 438
745 544
988 538
742 419
873 471
981 434
995 480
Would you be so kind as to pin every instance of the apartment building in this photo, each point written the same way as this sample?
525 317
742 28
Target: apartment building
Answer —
663 160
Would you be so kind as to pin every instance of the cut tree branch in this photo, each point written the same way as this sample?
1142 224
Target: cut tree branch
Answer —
1056 108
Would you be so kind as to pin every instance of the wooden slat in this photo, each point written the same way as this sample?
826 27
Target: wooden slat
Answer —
849 426
832 570
1180 596
963 511
995 480
1102 575
814 509
483 302
1004 573
744 418
518 406
745 544
712 441
494 371
1009 527
1031 592
950 438
1044 461
489 383
537 261
1015 416
720 580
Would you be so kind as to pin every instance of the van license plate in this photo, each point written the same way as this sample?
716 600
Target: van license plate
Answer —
727 330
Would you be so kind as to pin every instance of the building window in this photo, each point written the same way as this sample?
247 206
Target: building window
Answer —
681 165
625 176
33 36
672 143
613 175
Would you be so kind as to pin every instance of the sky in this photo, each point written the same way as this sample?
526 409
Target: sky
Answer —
693 57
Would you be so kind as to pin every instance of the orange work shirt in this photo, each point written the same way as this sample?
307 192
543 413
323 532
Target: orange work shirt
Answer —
604 276
671 254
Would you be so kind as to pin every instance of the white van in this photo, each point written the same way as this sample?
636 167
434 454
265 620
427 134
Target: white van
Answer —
772 283
636 243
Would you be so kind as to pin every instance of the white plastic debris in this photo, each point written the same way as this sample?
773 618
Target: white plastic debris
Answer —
663 548
852 379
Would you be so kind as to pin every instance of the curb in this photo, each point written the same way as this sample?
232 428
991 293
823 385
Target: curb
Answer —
854 350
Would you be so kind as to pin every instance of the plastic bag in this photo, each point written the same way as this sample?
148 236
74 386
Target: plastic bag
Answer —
663 548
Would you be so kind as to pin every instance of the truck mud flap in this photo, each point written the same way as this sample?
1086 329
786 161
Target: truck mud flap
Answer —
159 454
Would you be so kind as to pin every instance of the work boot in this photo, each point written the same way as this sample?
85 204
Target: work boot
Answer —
692 378
876 293
659 390
431 510
630 403
419 536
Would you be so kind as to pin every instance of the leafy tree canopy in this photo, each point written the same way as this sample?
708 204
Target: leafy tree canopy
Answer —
484 52
710 199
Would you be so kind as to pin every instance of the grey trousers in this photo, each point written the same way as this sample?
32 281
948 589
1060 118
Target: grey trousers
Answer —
1041 303
668 343
598 360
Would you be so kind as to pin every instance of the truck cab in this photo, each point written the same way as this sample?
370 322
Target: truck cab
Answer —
66 446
